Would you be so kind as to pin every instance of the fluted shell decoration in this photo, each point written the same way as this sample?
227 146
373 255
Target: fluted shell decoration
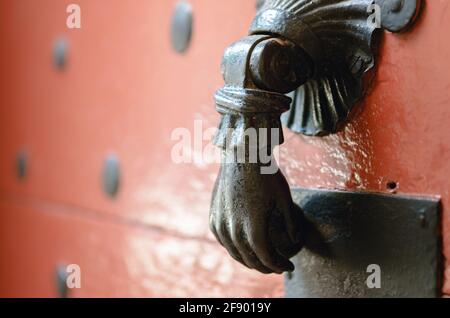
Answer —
339 38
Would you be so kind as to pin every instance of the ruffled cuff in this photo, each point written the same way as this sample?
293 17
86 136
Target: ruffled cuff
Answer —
250 118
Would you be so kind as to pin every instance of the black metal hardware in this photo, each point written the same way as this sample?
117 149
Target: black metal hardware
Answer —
60 51
321 50
61 276
111 176
398 15
252 213
21 165
181 28
349 231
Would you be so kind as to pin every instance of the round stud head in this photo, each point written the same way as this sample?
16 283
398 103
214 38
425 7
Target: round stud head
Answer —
60 52
181 28
111 176
21 165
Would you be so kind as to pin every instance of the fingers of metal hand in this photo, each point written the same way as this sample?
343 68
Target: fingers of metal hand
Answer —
247 254
212 227
215 216
255 252
226 242
265 252
213 212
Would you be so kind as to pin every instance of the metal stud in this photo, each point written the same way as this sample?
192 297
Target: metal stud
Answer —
60 50
21 165
111 176
181 27
61 276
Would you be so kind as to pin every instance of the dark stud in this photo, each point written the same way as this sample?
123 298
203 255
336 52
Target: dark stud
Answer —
21 165
111 176
181 28
60 50
61 276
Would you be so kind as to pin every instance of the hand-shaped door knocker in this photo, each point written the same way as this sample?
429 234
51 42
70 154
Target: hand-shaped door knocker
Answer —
319 49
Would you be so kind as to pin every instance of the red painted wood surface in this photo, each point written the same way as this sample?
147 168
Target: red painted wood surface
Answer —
116 259
124 91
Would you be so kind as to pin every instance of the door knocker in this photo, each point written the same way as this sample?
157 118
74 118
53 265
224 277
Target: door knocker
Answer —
319 51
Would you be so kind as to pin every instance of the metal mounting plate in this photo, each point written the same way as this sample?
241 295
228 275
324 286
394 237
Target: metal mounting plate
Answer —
350 231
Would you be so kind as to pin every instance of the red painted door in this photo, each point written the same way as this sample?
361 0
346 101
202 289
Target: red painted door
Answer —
123 91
